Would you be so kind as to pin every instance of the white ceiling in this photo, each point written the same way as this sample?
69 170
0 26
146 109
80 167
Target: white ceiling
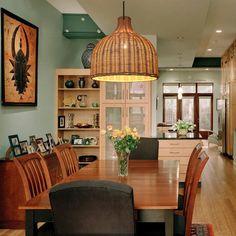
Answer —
183 29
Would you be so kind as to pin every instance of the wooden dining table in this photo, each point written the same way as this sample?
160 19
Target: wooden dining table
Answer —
154 182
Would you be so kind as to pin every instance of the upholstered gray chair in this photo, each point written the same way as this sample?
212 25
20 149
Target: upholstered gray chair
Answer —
93 207
147 150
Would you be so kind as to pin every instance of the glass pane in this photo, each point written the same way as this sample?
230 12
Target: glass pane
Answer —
113 117
137 119
204 113
188 109
188 88
170 88
113 91
136 91
205 88
170 110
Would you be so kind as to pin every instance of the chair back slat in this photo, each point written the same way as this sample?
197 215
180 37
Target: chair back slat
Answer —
191 165
34 174
67 159
191 191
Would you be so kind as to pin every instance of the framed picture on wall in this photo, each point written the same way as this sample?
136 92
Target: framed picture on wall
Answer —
19 60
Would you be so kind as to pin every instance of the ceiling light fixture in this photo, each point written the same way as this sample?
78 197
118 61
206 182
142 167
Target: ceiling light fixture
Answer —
218 31
124 56
209 49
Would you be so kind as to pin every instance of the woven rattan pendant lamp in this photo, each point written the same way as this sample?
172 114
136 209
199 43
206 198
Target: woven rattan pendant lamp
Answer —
124 56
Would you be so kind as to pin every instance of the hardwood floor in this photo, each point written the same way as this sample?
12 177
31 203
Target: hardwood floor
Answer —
216 198
215 202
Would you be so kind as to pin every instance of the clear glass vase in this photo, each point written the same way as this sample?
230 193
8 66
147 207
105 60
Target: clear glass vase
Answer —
123 163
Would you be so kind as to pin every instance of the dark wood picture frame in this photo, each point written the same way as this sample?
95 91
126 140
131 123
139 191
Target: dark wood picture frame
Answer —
19 60
61 121
15 145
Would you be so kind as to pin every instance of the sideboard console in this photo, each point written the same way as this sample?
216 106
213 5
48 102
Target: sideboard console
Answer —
12 191
174 147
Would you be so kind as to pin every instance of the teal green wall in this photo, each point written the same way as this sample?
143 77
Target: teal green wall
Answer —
54 51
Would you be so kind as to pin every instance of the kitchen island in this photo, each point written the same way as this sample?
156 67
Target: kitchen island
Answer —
175 147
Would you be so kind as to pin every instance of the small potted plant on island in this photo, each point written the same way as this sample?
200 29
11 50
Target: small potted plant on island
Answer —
182 127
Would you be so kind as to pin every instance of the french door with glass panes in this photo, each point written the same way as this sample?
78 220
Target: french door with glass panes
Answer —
196 106
124 105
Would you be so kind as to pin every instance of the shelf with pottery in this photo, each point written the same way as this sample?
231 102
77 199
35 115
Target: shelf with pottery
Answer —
78 89
78 108
78 103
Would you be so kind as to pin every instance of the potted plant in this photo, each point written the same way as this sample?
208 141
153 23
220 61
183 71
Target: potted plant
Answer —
182 127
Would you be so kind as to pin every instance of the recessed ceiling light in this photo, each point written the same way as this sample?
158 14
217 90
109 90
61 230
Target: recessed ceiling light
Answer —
206 69
82 18
219 31
209 49
171 69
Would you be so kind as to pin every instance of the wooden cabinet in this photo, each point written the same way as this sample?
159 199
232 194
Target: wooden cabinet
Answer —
228 91
124 104
177 150
85 112
12 191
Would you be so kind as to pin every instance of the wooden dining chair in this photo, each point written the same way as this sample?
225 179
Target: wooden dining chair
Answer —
189 173
183 218
147 149
34 174
93 207
67 159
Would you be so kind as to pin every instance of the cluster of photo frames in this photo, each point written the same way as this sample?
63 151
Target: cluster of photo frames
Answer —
34 144
77 140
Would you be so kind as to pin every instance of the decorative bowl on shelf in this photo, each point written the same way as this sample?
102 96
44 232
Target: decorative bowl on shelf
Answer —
84 125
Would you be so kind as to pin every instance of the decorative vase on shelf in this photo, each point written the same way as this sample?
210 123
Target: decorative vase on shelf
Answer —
95 84
69 84
182 132
81 82
70 120
86 56
123 163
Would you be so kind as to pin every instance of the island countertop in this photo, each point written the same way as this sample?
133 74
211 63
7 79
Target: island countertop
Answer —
174 135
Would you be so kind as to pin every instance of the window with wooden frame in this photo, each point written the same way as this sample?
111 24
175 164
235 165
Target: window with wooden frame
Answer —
195 104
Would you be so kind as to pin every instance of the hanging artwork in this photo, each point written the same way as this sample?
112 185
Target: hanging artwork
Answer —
19 60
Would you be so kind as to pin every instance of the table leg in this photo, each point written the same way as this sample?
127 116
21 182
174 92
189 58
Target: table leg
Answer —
30 225
165 216
169 222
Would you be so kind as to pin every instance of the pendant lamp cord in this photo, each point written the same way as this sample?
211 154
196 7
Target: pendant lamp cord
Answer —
123 10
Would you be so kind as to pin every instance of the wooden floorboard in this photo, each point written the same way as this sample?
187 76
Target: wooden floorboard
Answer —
215 202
